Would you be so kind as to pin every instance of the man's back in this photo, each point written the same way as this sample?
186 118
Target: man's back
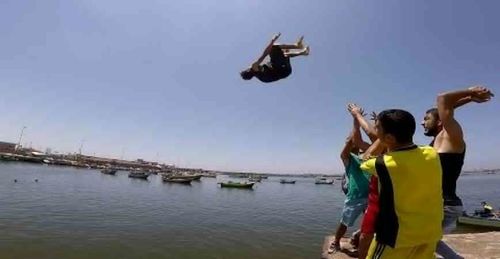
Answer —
410 191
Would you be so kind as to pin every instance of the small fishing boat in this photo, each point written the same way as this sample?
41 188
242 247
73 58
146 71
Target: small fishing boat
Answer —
108 171
138 175
170 179
323 180
193 177
285 181
243 185
492 222
190 177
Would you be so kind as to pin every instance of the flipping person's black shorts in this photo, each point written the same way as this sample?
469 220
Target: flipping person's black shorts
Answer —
278 68
278 59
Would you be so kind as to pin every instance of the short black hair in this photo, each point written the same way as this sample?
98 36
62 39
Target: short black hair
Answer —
434 112
247 74
399 123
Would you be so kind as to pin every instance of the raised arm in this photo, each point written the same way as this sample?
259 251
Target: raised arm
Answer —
354 140
344 155
266 51
462 102
357 112
357 140
447 102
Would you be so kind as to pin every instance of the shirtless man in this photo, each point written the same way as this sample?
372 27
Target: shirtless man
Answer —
448 141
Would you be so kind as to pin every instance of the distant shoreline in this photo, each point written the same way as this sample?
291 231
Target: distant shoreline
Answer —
91 162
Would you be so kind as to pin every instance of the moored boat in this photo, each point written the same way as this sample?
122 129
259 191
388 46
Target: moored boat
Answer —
285 181
254 179
191 177
185 175
138 175
231 184
172 179
195 177
478 221
108 171
323 180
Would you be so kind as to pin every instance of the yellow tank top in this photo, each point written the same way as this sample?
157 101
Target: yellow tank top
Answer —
411 200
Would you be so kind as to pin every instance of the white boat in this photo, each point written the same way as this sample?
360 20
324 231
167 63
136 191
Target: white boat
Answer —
323 180
254 179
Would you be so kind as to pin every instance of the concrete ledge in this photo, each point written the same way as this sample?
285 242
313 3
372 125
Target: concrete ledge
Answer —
475 245
470 246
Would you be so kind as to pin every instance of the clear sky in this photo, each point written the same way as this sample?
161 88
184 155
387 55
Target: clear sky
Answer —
159 79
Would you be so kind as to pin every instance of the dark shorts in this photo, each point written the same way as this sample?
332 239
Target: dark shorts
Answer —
278 59
278 68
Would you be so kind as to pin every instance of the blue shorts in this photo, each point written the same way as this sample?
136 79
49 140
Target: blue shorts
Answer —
352 210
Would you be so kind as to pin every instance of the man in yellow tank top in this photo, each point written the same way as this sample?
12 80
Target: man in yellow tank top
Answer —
411 203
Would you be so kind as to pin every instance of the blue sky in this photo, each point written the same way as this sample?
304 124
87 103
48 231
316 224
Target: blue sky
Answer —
159 79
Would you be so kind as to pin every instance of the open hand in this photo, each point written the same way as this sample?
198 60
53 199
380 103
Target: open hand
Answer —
480 94
354 109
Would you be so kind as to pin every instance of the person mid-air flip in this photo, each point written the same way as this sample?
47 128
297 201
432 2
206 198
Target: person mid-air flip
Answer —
279 65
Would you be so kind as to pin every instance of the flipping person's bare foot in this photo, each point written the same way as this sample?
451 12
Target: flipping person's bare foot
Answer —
306 52
300 42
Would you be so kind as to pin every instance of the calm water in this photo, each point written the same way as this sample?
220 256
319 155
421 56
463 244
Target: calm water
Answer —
78 213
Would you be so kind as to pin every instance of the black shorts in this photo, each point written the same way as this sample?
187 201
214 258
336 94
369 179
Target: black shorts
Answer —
278 59
278 68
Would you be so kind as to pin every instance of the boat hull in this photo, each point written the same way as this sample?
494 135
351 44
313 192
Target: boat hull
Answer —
237 185
138 176
323 182
187 177
177 180
108 171
493 223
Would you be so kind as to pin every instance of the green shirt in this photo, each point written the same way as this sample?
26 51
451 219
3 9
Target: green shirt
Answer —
358 179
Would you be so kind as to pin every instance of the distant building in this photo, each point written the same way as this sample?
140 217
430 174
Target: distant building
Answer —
6 147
